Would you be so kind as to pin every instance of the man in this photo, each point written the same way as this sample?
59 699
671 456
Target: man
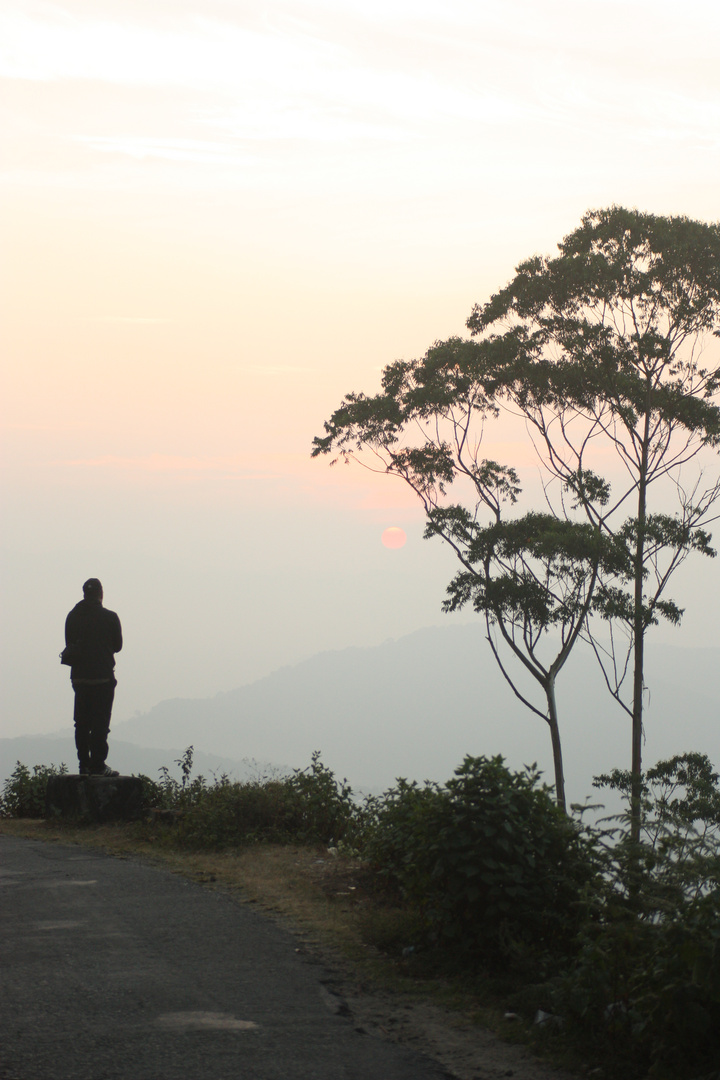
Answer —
95 635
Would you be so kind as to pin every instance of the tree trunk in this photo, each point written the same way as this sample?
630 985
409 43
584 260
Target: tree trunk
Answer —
556 747
639 641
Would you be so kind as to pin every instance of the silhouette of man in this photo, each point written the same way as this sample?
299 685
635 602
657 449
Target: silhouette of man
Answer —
96 635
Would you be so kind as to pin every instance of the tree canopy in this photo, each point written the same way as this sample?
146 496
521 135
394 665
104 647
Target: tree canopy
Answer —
608 352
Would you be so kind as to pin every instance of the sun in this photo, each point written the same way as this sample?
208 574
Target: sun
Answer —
394 537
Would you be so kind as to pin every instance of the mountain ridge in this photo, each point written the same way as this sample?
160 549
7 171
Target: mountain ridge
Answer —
416 705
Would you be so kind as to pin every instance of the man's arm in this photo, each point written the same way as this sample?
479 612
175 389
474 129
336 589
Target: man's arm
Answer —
117 635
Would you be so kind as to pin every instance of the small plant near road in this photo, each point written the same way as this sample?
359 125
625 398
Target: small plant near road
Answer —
168 793
326 806
23 795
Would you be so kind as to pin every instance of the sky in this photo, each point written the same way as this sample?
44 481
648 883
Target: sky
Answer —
218 219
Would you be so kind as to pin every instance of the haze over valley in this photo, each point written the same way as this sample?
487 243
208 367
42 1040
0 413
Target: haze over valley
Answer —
411 707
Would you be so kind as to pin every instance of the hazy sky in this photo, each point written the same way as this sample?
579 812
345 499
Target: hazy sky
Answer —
217 219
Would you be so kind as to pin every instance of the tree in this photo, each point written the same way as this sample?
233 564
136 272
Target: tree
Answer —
599 350
527 575
602 348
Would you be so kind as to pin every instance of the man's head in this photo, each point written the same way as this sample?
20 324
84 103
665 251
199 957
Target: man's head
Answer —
92 589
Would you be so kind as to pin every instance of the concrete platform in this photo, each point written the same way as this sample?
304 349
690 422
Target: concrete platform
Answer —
94 798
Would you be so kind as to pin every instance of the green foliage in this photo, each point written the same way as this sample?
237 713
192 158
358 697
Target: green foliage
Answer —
400 825
23 794
645 989
605 348
234 814
325 807
167 793
676 859
621 938
495 867
544 569
309 806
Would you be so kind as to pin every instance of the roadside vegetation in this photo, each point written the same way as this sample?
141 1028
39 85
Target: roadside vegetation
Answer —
605 949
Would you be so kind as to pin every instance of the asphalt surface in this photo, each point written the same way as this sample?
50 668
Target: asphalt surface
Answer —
115 970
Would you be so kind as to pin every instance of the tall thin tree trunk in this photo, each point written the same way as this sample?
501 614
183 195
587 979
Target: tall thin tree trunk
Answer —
639 641
555 738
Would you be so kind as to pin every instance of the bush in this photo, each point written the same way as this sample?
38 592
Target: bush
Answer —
645 988
232 814
23 794
167 793
325 808
310 806
496 868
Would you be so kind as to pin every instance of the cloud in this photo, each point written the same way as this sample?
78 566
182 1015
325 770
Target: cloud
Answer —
299 479
171 463
284 83
274 370
127 319
191 52
323 72
141 147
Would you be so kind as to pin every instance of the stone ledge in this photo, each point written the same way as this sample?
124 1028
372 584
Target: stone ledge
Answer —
94 798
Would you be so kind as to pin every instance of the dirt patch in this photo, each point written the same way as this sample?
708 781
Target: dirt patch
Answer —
470 1054
465 1050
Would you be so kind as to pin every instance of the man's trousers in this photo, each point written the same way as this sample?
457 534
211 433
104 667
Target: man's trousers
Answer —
93 707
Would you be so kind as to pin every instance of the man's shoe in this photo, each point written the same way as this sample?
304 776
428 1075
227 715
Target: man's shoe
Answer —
106 771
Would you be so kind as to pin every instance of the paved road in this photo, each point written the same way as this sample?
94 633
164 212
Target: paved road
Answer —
115 970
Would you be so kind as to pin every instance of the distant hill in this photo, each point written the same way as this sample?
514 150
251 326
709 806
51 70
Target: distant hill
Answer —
416 706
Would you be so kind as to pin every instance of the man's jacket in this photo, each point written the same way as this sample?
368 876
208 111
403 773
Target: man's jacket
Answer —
98 633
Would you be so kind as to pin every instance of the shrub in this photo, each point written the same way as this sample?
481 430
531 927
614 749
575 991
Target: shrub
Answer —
645 988
496 868
23 794
167 793
309 806
400 825
325 809
232 814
